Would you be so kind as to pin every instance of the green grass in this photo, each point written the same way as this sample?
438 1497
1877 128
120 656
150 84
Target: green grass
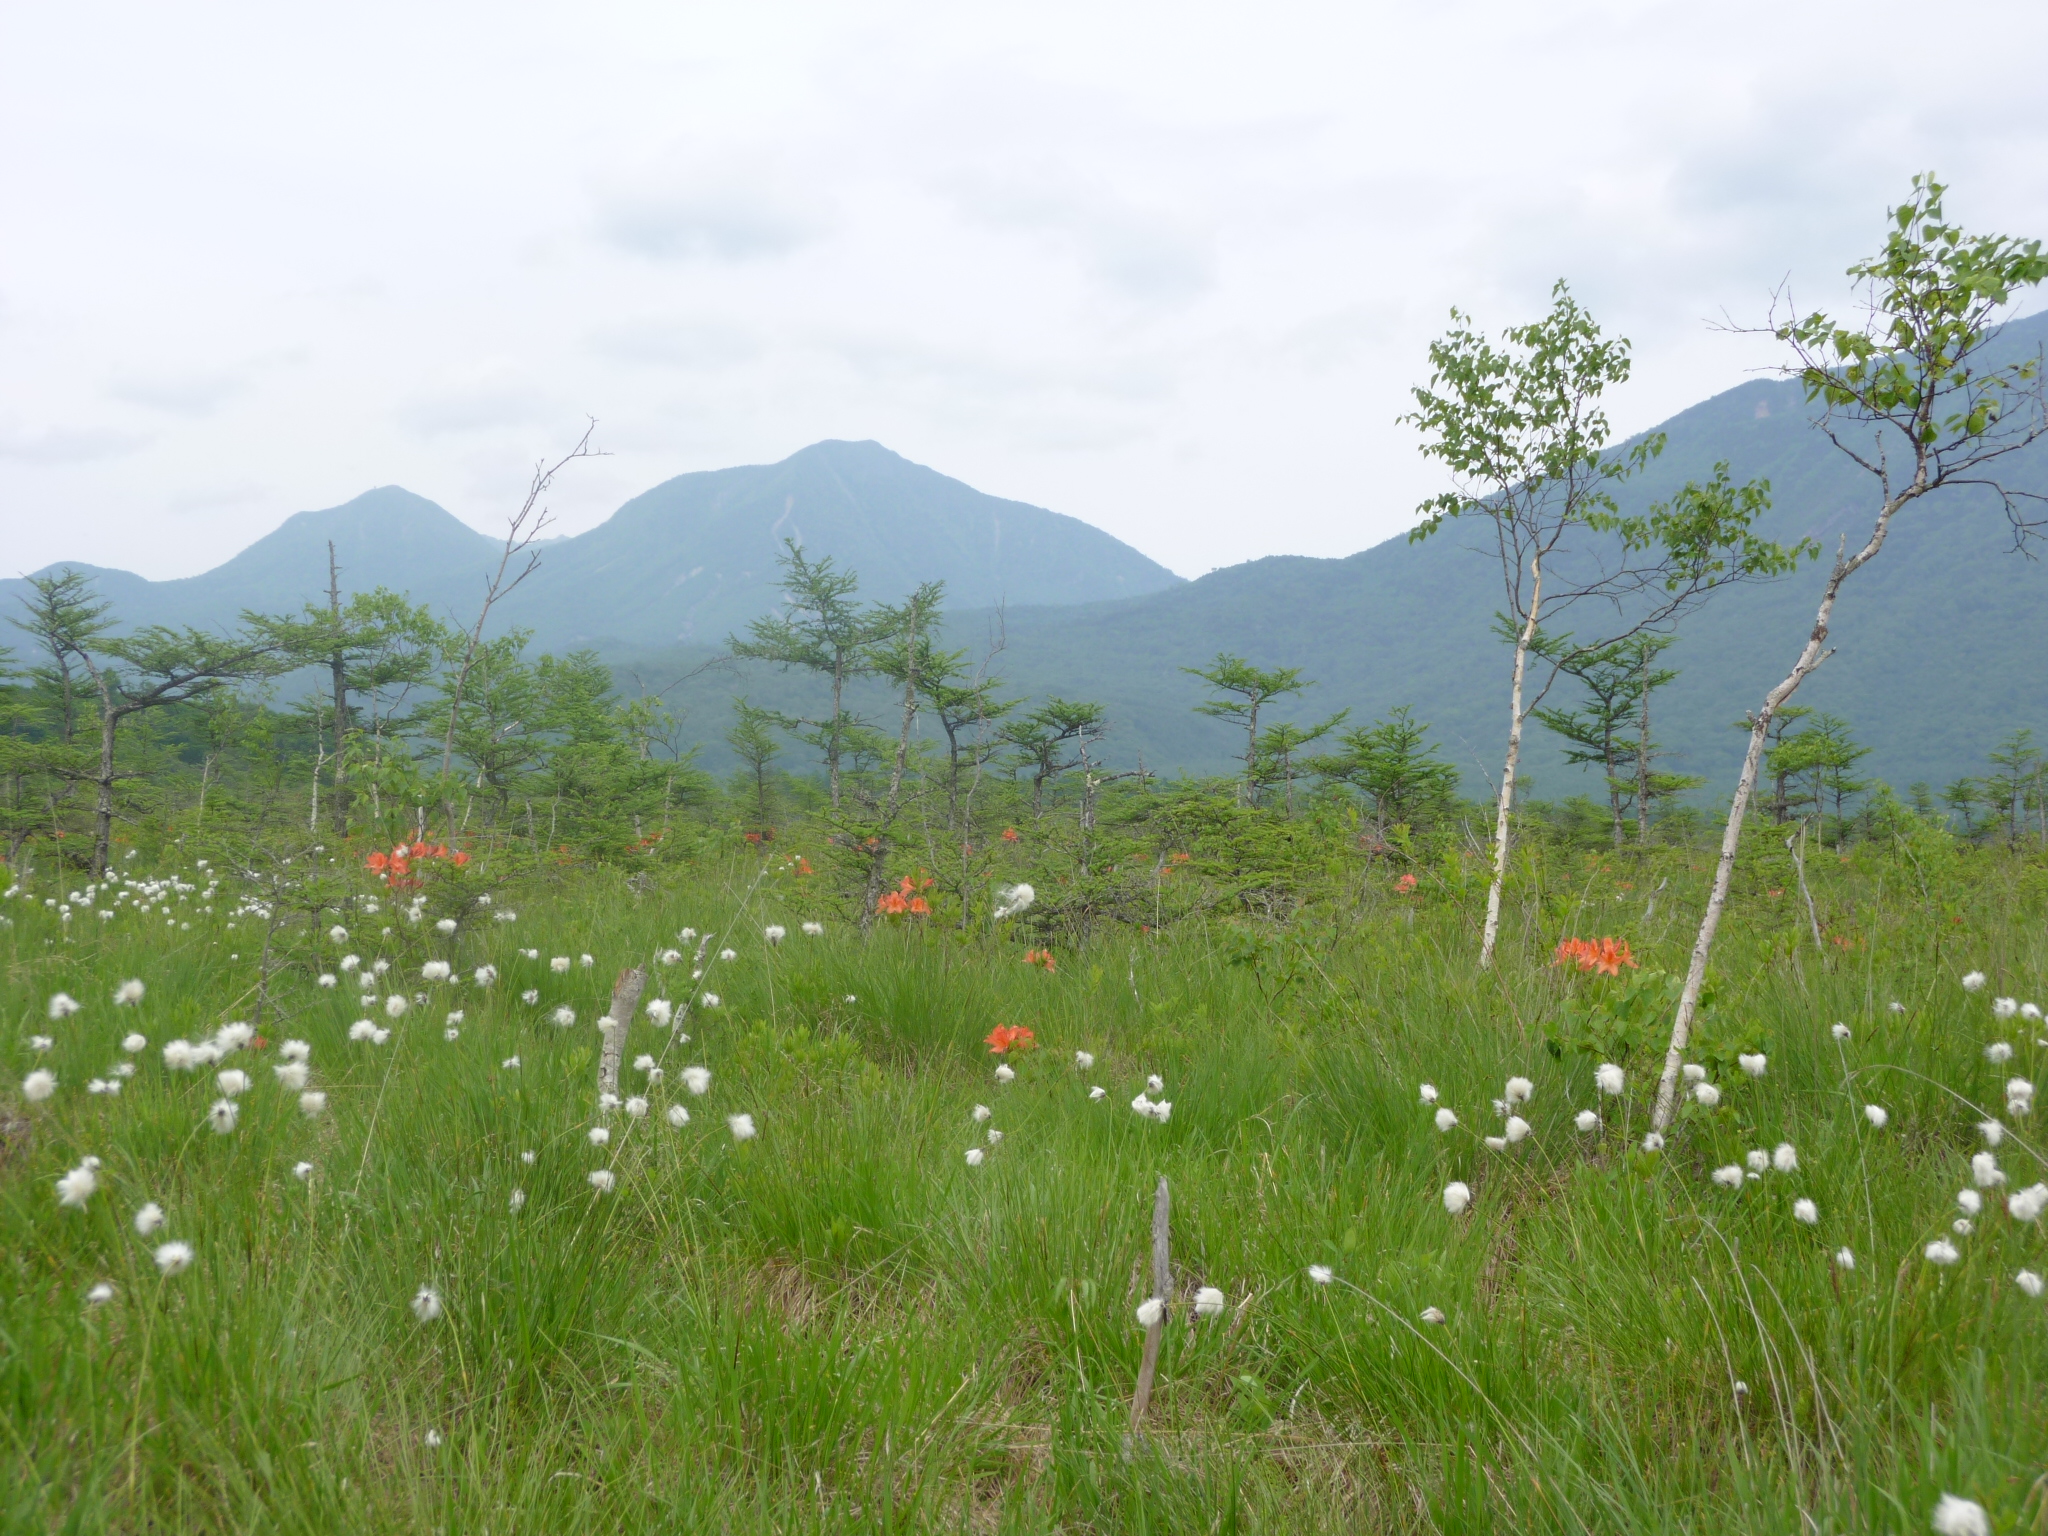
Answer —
840 1325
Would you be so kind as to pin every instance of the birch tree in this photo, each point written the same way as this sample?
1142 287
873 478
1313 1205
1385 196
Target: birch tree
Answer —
1913 392
1521 429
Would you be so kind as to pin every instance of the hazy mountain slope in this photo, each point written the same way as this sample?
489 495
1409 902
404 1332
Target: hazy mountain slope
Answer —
694 558
691 559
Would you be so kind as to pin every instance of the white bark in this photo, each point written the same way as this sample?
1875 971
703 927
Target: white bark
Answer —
1504 811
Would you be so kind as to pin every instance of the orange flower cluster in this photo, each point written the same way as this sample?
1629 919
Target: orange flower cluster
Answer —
1005 1038
396 867
905 899
1011 834
1405 884
1607 956
1040 957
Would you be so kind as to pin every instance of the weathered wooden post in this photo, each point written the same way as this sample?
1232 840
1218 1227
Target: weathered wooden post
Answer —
613 1025
1162 1288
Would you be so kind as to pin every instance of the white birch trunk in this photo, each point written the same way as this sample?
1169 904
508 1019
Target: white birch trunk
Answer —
1507 775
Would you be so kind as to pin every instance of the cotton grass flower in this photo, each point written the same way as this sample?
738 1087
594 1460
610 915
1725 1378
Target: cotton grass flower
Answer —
1755 1064
436 970
77 1186
223 1115
1151 1311
1785 1158
337 934
1941 1251
2029 1282
711 1000
741 1126
1083 1060
362 1029
1496 1143
1517 1129
530 995
1706 1095
1973 981
697 1079
302 1171
445 926
1586 1121
1446 1119
1097 1094
814 930
563 1016
313 1104
775 933
2019 1097
1321 1274
1877 1115
1610 1079
981 1113
728 954
349 962
1998 1053
1757 1161
1992 1131
128 993
2004 1007
1970 1201
395 1005
599 1135
670 956
974 1156
1432 1315
63 1005
149 1218
173 1258
509 1064
559 965
329 980
1653 1142
1013 899
1210 1302
1960 1517
484 975
661 1012
1845 1258
1428 1093
1457 1196
426 1304
2027 1204
103 1293
232 1082
1985 1172
1694 1072
134 1044
1729 1177
1839 1031
1006 1073
636 1107
603 1180
517 1203
39 1085
1519 1091
1805 1211
678 1116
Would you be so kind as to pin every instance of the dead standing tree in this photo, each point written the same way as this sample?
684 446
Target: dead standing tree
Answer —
524 528
1909 396
1521 430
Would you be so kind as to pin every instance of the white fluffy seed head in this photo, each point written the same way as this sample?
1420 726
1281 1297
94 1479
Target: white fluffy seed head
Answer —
1210 1301
1973 981
1517 1129
1970 1201
1610 1079
741 1126
697 1079
1941 1251
1428 1093
174 1258
1446 1119
974 1157
1785 1157
602 1180
678 1116
1755 1064
1706 1095
1586 1121
1877 1115
426 1304
1519 1090
1151 1311
1729 1177
1806 1211
38 1085
1457 1196
1955 1516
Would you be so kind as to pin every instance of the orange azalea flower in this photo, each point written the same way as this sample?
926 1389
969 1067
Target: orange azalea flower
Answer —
892 903
378 859
1011 834
919 907
1607 956
1011 1037
1405 884
1040 957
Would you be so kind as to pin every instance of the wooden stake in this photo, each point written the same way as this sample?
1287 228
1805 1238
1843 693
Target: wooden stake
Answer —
1162 1287
625 998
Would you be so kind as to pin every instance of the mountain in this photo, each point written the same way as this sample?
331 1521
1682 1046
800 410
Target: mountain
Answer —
688 561
1939 642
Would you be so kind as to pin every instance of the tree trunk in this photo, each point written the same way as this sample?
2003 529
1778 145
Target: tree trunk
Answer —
103 810
1814 653
1643 764
1507 775
338 662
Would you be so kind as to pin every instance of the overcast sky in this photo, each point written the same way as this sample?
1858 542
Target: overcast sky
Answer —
1169 268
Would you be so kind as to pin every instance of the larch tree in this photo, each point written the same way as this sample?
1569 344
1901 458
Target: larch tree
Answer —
1521 429
1244 691
1914 393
